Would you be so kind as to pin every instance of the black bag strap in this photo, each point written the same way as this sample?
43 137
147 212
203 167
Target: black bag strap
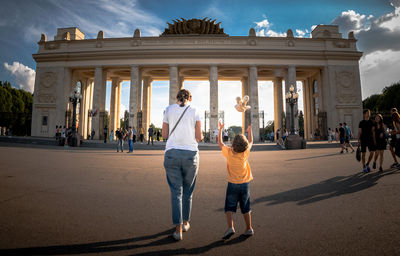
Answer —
173 129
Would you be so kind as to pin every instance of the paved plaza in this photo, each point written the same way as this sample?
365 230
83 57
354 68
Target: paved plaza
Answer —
56 201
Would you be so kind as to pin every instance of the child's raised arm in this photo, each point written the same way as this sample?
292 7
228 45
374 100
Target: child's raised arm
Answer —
250 136
221 126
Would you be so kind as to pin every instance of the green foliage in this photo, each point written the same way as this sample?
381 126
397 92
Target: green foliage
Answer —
234 130
390 98
269 127
15 109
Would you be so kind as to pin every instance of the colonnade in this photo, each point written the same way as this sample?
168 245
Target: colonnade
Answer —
94 96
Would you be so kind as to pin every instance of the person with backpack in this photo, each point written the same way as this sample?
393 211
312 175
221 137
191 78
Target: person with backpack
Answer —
347 138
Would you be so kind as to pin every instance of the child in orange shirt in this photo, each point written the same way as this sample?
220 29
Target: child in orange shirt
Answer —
239 177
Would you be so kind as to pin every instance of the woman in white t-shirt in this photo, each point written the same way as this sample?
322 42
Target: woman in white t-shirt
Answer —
182 127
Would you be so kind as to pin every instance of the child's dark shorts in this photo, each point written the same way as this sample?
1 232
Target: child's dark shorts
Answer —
238 193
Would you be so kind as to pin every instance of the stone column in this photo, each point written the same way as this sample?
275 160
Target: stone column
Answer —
134 101
246 117
97 98
306 113
103 104
82 110
173 84
90 106
114 103
291 80
181 80
278 104
118 105
146 104
253 88
213 101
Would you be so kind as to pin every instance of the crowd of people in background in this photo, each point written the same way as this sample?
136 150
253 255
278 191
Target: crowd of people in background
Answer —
374 136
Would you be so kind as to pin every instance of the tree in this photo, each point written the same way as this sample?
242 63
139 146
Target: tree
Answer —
15 109
235 130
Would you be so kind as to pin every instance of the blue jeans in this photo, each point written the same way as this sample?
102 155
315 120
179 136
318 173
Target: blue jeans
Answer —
120 145
181 168
130 145
238 193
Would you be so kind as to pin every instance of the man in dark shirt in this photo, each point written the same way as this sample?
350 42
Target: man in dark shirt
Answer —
366 139
342 137
151 134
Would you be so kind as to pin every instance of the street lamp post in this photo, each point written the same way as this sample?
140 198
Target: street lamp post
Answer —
291 98
75 98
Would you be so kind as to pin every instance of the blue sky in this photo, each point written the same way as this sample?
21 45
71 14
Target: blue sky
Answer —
376 24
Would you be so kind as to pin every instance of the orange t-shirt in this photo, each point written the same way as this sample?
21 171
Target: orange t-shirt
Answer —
238 165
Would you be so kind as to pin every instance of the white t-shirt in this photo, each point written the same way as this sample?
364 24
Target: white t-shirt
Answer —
184 135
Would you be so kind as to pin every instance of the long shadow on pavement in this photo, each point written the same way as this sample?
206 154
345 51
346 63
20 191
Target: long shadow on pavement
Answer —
311 157
98 247
337 186
121 245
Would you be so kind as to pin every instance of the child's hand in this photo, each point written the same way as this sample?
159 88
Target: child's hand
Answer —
220 125
248 129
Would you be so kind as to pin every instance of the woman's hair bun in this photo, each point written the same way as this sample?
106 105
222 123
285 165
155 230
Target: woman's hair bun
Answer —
183 96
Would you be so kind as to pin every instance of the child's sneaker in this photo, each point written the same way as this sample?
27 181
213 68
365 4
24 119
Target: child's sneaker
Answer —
185 227
249 232
177 236
228 233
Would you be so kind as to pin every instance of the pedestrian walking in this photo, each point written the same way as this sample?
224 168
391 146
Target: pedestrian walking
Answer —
105 131
141 135
393 137
366 139
380 138
112 136
92 134
129 136
329 135
342 137
182 128
158 135
120 137
151 135
347 138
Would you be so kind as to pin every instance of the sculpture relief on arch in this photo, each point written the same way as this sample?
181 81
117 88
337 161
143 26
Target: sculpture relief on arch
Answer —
345 87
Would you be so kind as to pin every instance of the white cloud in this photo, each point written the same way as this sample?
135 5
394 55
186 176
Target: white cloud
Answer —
302 33
24 75
263 28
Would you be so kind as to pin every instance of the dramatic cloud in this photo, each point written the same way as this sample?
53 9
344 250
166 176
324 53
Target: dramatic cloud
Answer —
378 38
117 18
373 34
24 76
